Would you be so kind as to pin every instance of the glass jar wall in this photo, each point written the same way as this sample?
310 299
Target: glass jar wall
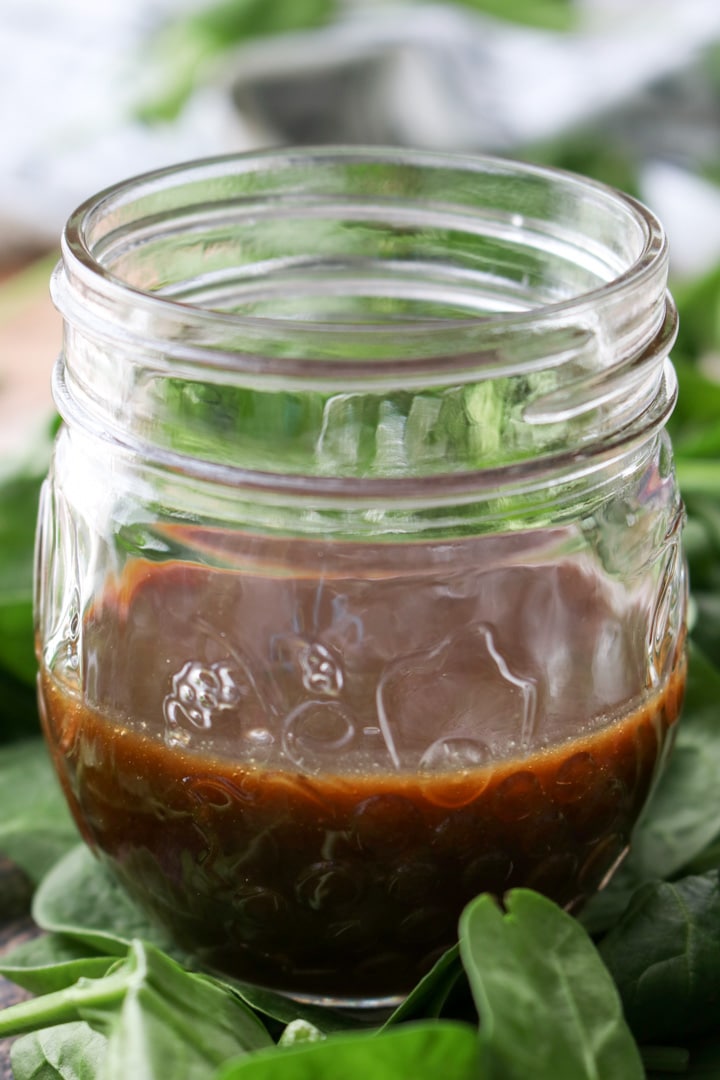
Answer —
359 578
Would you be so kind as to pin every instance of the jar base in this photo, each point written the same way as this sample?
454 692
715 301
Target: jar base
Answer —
350 1005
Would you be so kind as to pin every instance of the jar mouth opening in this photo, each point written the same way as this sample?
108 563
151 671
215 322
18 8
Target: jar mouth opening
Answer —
290 252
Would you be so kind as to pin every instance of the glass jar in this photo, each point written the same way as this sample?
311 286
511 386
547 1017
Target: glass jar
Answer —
360 588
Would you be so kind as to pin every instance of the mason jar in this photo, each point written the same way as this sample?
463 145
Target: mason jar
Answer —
359 584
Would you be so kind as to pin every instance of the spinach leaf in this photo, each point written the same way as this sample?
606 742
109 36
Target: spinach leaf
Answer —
80 899
423 1051
35 823
18 515
429 996
67 1052
52 962
682 819
184 50
684 814
701 541
279 1008
20 482
160 1021
548 1007
694 426
698 303
664 955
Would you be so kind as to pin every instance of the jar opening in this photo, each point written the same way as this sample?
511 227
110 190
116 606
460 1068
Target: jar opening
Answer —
350 244
365 314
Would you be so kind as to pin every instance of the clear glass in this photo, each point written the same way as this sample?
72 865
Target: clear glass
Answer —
359 581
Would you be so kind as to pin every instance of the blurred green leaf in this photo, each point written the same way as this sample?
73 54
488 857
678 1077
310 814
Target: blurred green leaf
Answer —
548 14
80 899
698 303
35 823
18 515
185 50
51 962
605 159
20 483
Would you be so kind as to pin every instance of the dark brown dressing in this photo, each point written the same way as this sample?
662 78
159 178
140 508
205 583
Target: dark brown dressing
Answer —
335 882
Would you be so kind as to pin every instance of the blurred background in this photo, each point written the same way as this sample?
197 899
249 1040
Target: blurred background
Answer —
90 93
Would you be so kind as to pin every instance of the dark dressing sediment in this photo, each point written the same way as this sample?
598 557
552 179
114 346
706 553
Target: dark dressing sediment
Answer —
330 875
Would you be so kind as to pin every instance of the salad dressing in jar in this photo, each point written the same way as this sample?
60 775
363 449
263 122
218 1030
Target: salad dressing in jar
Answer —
359 585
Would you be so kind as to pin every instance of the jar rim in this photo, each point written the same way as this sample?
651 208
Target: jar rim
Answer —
525 386
83 264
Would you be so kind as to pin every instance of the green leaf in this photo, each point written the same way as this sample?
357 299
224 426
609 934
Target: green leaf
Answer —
549 14
19 494
612 161
664 955
706 632
20 482
698 303
682 819
418 1051
286 1011
700 482
68 1052
79 898
694 426
430 995
160 1021
183 53
605 908
36 828
17 655
52 962
548 1007
684 814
